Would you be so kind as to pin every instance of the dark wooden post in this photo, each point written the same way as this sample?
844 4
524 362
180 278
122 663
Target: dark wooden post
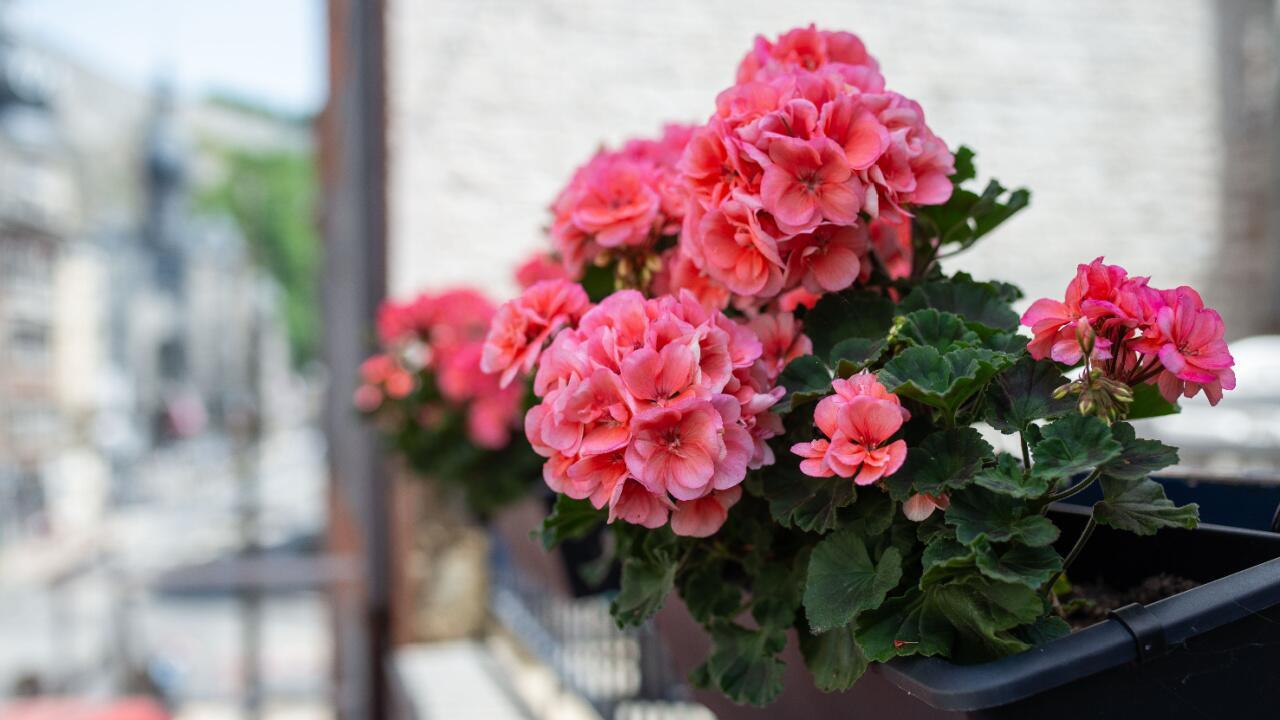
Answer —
353 161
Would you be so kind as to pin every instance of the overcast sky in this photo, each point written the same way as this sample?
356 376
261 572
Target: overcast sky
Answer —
269 51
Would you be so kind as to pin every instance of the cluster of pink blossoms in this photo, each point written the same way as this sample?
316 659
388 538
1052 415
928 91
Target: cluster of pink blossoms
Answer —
439 337
802 156
655 408
621 200
1134 333
857 422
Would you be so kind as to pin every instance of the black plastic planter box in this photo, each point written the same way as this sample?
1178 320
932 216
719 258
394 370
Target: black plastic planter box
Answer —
1210 652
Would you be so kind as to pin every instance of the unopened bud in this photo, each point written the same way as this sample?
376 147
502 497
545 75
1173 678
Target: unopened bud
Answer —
1085 336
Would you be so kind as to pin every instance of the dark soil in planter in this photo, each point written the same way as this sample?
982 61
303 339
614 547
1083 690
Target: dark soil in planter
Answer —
1089 602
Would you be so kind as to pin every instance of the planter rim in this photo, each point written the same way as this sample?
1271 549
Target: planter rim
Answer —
1106 645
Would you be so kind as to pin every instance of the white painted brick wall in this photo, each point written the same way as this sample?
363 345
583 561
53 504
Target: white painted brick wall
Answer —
1107 110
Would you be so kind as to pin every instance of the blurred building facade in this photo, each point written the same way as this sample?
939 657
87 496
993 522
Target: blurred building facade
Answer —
127 319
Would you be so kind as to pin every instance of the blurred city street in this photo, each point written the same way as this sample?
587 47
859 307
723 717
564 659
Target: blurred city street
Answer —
81 611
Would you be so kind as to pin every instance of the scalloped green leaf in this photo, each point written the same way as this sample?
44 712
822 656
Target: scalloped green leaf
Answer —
944 381
1016 563
853 355
978 513
935 328
1023 393
1007 477
902 626
1138 457
843 580
806 379
945 460
834 658
744 663
1071 445
983 305
1140 506
569 519
849 314
705 593
983 612
807 503
647 579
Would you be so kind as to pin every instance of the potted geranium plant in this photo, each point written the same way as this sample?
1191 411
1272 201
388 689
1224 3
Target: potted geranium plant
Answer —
786 409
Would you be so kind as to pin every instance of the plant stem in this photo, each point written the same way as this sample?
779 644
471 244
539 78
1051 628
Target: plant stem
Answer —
1075 551
1026 453
1074 489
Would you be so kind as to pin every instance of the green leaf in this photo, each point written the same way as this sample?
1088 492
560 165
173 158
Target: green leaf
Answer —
941 557
853 355
965 169
1009 478
806 503
1046 628
569 519
982 611
849 314
744 663
1071 445
1023 393
983 305
976 513
945 460
647 579
967 216
706 594
834 658
1030 566
776 594
806 379
1139 505
934 328
843 580
901 626
1149 403
944 381
599 282
1138 458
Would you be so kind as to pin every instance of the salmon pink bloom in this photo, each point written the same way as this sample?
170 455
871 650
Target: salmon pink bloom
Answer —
1191 348
704 516
830 258
632 503
523 326
676 449
781 340
737 250
808 182
857 421
538 268
920 506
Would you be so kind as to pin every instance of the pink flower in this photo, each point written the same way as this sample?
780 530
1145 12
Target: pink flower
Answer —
1139 334
1191 348
632 503
679 272
621 200
804 151
781 340
738 251
891 243
537 268
808 182
857 421
920 506
522 326
704 516
367 398
648 402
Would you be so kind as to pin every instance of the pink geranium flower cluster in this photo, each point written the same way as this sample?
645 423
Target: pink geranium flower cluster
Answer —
800 156
439 338
522 327
1134 333
621 201
858 421
656 408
